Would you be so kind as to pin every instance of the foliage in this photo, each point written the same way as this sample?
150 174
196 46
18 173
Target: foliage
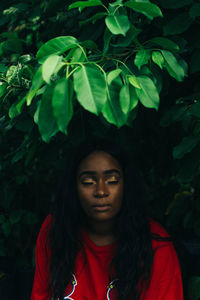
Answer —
73 68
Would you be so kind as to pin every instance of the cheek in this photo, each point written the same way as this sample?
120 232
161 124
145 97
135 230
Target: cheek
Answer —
83 196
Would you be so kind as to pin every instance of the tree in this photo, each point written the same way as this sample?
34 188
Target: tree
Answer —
99 67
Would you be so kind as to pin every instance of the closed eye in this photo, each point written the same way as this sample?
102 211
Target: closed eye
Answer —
87 182
113 182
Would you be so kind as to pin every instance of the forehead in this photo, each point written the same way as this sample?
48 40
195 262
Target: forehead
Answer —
99 161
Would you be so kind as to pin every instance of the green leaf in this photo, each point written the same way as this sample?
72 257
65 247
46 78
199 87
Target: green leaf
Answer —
174 4
148 94
195 61
178 25
158 58
142 57
30 218
165 43
90 87
11 74
12 46
117 24
15 216
134 81
89 44
186 146
51 66
195 109
112 75
3 87
36 84
77 55
172 65
24 59
175 114
62 103
107 38
131 34
44 116
195 10
82 4
148 9
6 228
3 68
94 18
16 108
56 46
128 98
2 219
112 110
194 288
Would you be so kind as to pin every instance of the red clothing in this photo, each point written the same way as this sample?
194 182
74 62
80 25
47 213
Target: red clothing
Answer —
90 280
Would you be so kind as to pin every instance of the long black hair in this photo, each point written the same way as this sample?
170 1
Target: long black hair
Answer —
134 255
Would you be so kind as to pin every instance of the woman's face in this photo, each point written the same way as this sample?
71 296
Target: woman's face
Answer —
100 186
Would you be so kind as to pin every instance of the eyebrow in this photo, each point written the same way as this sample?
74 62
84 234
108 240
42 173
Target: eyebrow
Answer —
106 172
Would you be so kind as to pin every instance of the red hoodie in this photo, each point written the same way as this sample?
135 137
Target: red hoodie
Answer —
90 280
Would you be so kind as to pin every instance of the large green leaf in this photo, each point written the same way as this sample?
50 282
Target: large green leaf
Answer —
16 108
148 94
112 110
195 10
178 24
62 103
36 84
90 87
118 24
56 46
51 66
134 81
158 58
165 43
107 38
112 75
142 57
82 4
44 116
128 98
3 87
148 9
186 146
172 65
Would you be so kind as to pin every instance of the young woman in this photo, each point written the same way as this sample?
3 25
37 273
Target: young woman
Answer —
99 243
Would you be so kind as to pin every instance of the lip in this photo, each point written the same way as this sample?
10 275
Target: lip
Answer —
101 207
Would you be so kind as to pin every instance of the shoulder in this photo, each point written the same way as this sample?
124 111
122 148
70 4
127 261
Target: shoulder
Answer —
43 236
160 237
157 229
164 252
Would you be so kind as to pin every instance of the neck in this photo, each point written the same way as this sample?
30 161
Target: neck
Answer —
101 233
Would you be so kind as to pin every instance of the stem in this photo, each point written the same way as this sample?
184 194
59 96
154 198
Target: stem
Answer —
83 51
121 62
116 9
71 72
105 8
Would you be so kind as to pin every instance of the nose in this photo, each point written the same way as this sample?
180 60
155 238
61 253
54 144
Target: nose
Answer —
101 189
